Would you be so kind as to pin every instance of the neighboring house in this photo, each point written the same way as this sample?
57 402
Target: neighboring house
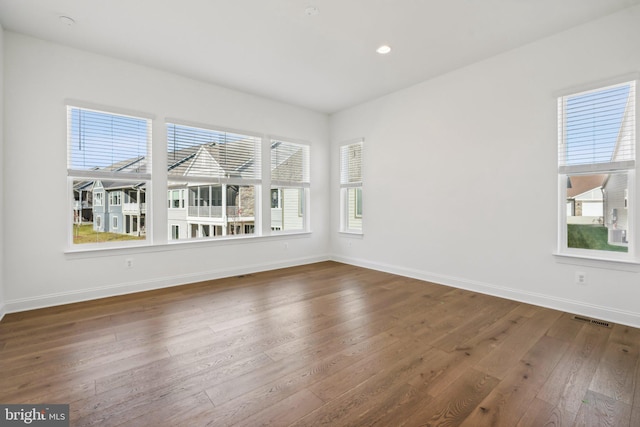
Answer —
83 202
119 208
287 209
616 186
287 204
616 208
204 209
585 199
197 206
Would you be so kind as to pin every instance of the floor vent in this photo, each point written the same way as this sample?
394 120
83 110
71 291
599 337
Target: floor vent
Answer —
593 321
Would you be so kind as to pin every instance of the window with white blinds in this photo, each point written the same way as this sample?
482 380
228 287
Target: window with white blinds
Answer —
219 172
597 129
351 187
109 171
290 181
107 143
596 167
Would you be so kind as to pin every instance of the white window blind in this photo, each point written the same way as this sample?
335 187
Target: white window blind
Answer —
107 144
211 154
351 164
289 163
597 130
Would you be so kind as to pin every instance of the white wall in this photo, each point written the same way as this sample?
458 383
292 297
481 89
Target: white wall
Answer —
2 307
460 181
37 271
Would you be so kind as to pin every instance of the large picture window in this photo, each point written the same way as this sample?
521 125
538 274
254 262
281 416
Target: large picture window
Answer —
214 179
351 187
290 180
596 165
109 172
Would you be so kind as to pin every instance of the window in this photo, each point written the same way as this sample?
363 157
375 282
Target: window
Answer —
358 202
275 198
115 198
175 232
290 181
215 175
108 156
351 187
596 165
175 199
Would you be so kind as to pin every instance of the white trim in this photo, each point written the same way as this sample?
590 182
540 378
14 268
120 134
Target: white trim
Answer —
99 108
24 304
351 141
105 250
596 262
594 85
562 304
277 138
108 175
351 234
290 184
199 180
607 313
586 169
213 128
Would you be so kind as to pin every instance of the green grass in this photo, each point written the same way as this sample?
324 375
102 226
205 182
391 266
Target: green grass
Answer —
590 237
85 234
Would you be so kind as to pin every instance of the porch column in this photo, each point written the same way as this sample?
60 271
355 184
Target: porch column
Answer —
224 209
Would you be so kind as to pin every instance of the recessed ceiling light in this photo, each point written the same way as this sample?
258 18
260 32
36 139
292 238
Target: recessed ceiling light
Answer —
67 20
384 49
311 11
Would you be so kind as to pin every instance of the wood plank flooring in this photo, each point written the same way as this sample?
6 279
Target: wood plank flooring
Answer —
323 344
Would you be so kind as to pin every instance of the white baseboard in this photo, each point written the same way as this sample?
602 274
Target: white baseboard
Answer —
570 306
575 307
24 304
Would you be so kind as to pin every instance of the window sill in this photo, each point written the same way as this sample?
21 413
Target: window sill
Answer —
96 252
598 262
355 234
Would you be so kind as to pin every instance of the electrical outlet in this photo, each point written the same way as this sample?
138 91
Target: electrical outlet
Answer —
581 278
128 263
286 245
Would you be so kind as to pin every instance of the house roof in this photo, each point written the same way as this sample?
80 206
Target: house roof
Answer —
580 184
287 164
231 160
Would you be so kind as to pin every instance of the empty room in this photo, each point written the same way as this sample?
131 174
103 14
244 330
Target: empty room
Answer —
319 212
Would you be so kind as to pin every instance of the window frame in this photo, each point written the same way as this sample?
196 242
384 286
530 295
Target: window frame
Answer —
225 183
300 181
94 175
347 184
613 167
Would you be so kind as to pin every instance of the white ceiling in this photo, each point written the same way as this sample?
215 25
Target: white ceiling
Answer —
272 48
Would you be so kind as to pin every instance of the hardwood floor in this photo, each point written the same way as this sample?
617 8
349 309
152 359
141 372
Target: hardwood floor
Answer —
324 344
